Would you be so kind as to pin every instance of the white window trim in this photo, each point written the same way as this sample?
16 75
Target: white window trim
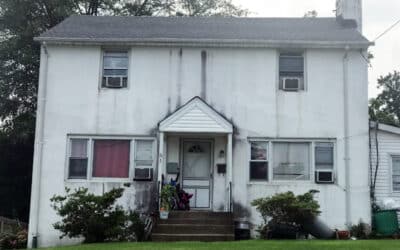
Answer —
391 155
312 143
90 151
103 52
305 71
250 160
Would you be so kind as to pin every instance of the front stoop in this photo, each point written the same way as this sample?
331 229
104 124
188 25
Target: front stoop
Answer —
195 226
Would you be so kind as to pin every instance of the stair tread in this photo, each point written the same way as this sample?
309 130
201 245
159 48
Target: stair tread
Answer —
191 235
195 226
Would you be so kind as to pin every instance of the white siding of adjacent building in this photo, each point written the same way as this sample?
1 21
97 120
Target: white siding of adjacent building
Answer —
388 146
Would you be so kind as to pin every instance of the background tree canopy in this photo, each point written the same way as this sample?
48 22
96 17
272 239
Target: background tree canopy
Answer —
385 108
20 22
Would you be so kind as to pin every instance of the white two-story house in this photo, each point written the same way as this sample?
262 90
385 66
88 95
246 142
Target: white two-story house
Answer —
240 108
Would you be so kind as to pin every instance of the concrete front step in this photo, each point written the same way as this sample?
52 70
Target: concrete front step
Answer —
198 215
192 237
195 226
193 229
200 221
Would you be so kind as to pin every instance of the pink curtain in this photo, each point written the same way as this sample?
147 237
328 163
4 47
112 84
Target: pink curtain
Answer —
111 158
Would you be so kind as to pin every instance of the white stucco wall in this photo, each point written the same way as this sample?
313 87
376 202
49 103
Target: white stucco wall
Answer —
241 84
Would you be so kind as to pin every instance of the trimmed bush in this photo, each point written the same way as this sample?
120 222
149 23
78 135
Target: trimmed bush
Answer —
96 218
286 209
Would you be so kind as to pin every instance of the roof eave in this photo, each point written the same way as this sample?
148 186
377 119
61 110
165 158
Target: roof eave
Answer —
243 43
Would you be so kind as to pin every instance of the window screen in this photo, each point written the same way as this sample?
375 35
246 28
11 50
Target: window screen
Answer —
291 161
396 173
111 158
258 161
78 159
144 153
324 156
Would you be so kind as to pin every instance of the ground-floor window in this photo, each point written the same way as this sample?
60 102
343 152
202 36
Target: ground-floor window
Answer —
258 160
95 157
396 173
292 160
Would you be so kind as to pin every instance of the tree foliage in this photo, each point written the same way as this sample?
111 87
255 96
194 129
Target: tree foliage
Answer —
385 108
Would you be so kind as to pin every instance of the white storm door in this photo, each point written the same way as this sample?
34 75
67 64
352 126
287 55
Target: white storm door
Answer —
196 173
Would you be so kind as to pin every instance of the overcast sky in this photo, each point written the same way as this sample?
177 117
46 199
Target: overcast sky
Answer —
378 15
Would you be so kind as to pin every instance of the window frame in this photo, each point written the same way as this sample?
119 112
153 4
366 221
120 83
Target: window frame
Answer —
106 50
268 161
69 152
90 152
312 142
310 160
303 53
392 156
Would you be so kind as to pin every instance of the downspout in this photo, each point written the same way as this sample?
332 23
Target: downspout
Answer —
346 135
39 141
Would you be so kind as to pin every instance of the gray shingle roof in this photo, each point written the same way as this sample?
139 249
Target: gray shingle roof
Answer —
213 30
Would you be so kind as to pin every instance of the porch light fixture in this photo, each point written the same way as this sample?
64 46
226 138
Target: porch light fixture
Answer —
222 154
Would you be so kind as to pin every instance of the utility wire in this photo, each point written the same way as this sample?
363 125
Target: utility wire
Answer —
387 30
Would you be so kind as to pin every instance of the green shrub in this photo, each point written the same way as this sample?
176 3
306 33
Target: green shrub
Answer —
286 208
361 230
17 239
96 218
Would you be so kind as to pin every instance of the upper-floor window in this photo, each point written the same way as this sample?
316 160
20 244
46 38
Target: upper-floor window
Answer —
115 69
291 71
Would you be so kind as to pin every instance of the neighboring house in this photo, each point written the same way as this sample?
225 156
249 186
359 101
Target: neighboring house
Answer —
385 146
242 108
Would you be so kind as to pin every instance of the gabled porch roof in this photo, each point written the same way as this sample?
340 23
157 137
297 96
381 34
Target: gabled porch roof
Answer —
196 116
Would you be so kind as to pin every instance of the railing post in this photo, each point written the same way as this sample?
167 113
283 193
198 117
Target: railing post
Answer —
229 169
160 165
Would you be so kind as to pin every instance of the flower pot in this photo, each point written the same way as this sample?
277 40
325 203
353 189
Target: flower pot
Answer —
164 215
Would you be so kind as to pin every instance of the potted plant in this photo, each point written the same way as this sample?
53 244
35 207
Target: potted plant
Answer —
167 194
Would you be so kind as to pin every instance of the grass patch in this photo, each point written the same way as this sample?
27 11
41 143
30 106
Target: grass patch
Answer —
245 245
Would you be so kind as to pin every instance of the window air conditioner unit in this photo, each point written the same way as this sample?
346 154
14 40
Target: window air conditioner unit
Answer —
143 174
324 176
114 82
291 83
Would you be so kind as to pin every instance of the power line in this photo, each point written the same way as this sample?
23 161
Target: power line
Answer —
387 30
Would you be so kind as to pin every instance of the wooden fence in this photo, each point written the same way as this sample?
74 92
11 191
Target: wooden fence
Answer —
7 225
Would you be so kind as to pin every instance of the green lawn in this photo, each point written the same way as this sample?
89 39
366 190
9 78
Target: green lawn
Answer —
245 245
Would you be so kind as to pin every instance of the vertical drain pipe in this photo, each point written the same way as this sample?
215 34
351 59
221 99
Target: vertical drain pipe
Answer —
38 150
346 134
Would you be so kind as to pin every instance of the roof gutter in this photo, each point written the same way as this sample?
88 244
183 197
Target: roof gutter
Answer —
229 43
38 155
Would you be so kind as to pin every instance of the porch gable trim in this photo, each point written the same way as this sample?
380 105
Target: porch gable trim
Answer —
196 116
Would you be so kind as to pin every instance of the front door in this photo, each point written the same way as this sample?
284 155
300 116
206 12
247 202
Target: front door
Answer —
196 172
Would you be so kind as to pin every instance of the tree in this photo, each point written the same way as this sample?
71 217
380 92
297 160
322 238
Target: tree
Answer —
385 107
311 13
